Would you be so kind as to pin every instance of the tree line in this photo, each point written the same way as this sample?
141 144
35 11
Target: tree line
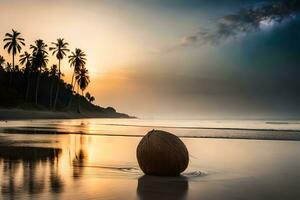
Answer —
32 81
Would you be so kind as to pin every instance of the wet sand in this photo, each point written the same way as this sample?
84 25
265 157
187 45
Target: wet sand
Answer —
74 166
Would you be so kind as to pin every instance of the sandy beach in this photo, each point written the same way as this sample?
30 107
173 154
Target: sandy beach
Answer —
20 114
17 114
94 159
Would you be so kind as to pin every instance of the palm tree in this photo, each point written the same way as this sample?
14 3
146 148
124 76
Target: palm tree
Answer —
92 99
26 59
2 62
89 97
8 67
60 48
39 61
77 60
13 44
53 76
39 53
83 81
17 68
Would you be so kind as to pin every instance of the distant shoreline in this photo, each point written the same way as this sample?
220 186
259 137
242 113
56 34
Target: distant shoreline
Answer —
21 114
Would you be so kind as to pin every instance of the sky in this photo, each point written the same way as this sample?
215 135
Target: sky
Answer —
183 59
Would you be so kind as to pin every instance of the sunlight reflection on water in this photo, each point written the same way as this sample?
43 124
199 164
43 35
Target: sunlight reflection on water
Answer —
82 166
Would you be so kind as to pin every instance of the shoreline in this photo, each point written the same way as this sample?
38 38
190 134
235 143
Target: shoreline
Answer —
246 169
21 114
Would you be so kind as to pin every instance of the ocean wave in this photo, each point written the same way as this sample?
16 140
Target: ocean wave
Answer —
282 122
207 128
194 174
123 169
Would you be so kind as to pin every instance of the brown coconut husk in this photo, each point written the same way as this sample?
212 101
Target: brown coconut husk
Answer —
163 154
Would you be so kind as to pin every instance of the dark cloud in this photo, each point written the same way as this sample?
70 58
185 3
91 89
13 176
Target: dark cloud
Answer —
244 21
257 76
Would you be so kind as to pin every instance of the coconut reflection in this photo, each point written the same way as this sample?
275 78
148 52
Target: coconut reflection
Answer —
152 187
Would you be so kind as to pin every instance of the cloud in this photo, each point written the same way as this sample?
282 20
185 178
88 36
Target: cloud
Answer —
246 20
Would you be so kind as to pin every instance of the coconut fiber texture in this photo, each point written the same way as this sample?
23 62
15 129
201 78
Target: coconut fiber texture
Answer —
162 154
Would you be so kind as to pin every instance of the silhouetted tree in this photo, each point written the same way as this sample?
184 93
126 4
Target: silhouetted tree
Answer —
17 68
53 76
34 83
77 60
60 48
83 80
2 62
26 59
89 97
39 61
8 67
9 70
13 42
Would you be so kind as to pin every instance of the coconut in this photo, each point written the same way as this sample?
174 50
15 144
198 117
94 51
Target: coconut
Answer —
162 154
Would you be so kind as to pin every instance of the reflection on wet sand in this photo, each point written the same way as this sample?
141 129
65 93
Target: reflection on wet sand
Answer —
81 166
79 158
151 187
25 170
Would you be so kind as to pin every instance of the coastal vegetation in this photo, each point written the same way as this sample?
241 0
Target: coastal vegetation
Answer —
28 82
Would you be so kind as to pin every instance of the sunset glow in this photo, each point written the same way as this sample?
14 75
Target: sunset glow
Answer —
166 52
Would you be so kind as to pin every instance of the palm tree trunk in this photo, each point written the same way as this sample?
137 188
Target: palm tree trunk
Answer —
37 87
72 79
13 62
12 70
78 109
57 89
51 92
74 86
28 86
71 96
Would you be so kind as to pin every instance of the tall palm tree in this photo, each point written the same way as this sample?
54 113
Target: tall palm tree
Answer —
77 60
83 81
39 55
39 61
53 76
26 59
13 44
59 49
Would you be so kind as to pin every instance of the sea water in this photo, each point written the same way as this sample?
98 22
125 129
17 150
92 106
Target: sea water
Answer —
96 159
